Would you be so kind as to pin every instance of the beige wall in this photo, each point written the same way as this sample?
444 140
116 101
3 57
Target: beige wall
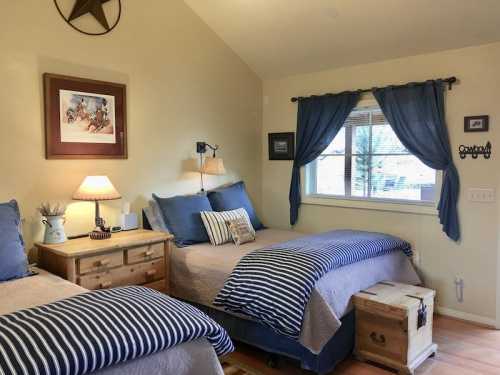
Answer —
475 257
183 84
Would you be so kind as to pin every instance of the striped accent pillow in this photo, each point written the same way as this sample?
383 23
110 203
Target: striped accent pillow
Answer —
215 224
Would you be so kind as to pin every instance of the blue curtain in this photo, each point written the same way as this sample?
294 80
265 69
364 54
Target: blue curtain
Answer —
319 119
416 114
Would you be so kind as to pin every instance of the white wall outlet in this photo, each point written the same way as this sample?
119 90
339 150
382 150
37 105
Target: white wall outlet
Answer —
481 195
459 288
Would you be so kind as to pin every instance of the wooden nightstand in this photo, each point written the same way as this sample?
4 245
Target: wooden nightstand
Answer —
138 257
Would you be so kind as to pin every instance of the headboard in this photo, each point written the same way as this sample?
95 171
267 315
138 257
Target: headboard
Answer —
145 221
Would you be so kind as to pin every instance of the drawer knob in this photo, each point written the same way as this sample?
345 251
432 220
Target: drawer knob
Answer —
150 273
149 253
105 284
377 339
104 262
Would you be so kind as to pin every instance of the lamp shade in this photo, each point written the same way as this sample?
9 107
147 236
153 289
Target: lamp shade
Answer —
96 188
213 166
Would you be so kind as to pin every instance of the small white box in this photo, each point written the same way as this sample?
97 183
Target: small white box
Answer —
129 221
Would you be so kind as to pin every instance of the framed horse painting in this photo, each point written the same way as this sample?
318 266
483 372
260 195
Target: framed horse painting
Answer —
84 119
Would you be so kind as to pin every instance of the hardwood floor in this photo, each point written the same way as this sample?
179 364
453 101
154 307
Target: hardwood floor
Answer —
464 349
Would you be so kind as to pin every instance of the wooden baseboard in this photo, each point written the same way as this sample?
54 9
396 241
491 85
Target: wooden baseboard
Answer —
478 320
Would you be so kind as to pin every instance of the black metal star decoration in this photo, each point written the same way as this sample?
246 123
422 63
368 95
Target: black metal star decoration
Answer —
93 7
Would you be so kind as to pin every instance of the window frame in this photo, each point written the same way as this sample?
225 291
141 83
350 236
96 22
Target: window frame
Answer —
309 188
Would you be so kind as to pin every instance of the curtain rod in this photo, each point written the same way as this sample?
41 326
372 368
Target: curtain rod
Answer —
450 81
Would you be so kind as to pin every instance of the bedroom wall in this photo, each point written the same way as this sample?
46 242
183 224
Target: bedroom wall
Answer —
475 257
183 85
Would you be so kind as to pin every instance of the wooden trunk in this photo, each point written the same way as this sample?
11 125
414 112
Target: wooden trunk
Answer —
387 330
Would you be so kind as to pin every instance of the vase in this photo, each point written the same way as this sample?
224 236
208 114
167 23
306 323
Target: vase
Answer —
54 229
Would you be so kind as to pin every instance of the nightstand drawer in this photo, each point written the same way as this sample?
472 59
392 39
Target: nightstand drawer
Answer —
100 262
140 273
143 253
102 280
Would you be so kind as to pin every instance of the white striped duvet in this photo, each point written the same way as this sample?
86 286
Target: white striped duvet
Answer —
274 284
98 329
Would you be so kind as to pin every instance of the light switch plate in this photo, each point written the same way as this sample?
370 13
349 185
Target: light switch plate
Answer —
481 195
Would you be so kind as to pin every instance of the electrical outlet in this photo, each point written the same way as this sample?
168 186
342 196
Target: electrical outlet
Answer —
481 195
459 288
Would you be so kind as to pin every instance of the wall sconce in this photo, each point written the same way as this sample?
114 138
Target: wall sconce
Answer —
211 165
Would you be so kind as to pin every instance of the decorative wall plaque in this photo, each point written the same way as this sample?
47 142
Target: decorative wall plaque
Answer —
93 8
475 151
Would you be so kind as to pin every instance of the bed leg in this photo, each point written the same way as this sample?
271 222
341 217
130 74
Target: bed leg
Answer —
272 360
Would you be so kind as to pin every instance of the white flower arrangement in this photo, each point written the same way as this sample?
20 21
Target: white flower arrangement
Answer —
52 209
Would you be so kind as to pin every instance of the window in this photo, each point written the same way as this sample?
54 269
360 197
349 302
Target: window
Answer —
367 161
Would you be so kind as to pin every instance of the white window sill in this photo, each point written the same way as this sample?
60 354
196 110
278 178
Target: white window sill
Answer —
418 208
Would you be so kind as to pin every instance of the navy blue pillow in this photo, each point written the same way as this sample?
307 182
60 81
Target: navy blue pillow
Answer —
13 260
233 197
182 217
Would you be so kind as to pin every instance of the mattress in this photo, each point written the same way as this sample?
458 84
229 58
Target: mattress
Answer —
191 358
199 271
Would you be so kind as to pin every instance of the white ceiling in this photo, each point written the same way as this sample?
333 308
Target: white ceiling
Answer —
277 38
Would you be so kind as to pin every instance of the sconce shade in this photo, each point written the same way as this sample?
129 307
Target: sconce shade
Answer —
96 188
213 166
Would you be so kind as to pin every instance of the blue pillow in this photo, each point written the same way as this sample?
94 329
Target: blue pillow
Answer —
182 217
233 197
13 260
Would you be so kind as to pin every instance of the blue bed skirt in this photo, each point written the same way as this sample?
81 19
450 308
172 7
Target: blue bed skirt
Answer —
249 332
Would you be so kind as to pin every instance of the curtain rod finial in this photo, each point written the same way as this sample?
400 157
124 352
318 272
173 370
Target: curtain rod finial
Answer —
451 81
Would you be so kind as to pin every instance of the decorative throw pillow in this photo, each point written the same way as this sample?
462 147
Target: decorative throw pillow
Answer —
232 197
13 260
181 215
241 231
215 224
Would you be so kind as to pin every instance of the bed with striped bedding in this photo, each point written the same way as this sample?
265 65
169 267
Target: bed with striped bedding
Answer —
98 329
273 285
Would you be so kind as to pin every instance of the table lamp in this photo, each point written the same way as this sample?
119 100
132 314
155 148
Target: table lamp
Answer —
97 188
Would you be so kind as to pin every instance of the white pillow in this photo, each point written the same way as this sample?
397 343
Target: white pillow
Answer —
215 224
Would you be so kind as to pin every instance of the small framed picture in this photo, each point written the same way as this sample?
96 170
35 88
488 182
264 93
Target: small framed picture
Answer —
84 119
281 146
476 123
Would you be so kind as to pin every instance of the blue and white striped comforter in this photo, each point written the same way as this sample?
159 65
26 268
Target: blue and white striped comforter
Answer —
98 329
274 284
